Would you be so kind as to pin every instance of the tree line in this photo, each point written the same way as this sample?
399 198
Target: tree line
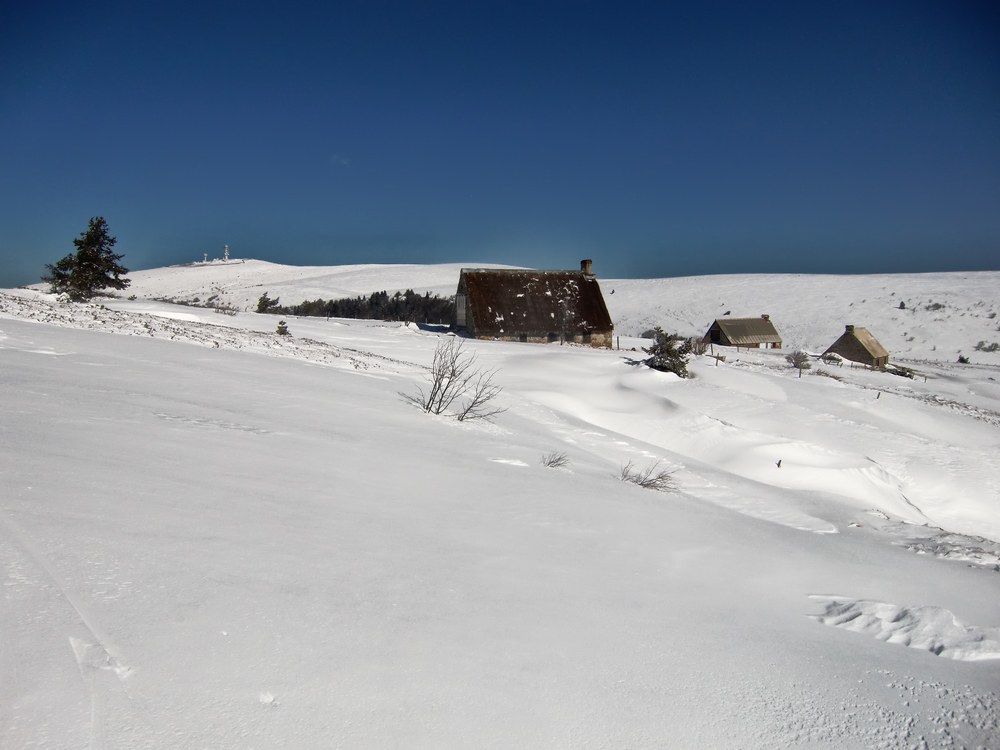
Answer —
405 306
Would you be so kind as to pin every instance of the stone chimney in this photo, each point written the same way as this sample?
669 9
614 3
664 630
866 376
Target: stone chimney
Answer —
586 267
850 329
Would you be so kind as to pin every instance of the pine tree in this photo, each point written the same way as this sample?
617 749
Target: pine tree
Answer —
669 353
92 268
265 304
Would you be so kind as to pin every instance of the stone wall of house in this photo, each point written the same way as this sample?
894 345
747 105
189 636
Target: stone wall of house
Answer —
602 340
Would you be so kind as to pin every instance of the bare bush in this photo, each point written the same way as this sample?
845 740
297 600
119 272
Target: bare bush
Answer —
698 346
650 478
455 381
480 394
223 308
555 460
827 374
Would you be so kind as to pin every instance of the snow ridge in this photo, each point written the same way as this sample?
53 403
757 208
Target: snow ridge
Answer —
933 629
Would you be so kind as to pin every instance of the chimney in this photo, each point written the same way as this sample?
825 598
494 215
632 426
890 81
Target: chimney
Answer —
850 329
586 267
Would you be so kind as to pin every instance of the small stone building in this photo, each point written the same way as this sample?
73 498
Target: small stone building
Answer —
858 345
533 306
752 333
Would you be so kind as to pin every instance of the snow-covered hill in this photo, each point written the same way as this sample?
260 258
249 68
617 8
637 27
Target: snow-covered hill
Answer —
216 536
943 314
240 283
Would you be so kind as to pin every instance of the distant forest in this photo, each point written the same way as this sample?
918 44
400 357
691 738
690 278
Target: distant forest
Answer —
405 306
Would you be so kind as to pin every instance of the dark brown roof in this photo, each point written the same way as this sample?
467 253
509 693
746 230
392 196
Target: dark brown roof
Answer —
749 331
863 337
507 302
870 343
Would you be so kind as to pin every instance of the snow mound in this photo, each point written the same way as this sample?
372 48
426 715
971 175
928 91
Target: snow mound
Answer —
933 629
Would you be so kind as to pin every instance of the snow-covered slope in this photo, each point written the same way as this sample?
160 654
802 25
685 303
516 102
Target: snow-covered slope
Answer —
240 283
215 536
943 314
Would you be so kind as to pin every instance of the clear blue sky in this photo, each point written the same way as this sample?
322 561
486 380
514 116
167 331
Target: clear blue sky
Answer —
659 138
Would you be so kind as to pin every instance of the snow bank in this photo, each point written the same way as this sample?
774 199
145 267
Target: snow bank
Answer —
933 629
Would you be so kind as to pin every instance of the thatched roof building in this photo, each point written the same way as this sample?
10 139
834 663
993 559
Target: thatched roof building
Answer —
535 306
752 333
858 345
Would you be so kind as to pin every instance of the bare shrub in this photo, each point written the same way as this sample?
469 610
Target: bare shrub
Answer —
223 309
480 394
697 346
650 478
827 374
555 460
455 381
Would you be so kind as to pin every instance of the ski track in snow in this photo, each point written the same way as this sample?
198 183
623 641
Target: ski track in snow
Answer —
94 657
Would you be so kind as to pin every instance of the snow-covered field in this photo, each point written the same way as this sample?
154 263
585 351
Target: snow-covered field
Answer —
216 537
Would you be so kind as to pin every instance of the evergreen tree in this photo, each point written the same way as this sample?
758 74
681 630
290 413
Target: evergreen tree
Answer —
408 306
265 304
92 268
669 353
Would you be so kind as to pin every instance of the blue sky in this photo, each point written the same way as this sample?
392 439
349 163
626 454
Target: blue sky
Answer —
659 138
